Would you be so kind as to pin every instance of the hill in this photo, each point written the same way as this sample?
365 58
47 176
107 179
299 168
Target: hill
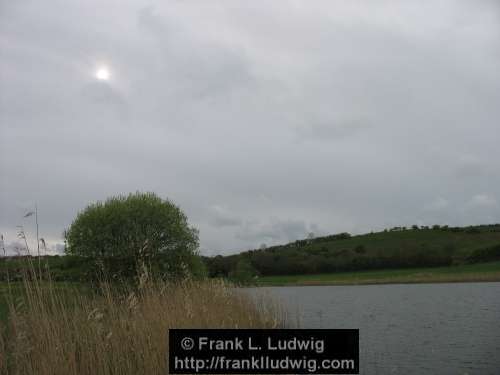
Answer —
398 247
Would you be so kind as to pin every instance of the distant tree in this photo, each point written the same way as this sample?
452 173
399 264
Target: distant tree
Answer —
414 227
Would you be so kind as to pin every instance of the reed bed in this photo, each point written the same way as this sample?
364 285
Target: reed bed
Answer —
118 331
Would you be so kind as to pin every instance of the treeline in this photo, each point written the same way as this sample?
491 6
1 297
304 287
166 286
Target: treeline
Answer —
468 229
73 268
396 247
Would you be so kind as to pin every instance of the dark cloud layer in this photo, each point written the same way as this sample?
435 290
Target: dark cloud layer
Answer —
264 121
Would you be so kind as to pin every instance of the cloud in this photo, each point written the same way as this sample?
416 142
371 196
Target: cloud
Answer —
345 115
437 204
201 67
15 248
469 166
222 217
332 129
482 200
102 97
275 230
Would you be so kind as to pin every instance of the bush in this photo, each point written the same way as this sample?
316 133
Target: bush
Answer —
487 254
127 232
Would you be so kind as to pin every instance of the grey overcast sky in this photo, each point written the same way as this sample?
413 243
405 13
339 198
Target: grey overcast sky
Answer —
263 120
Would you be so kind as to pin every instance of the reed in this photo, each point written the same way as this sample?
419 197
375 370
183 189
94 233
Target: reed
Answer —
118 330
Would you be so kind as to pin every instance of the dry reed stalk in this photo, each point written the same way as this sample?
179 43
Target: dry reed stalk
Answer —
115 332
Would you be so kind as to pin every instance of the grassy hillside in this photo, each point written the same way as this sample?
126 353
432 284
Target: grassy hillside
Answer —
395 248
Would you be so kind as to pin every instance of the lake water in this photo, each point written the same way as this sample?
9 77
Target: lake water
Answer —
407 328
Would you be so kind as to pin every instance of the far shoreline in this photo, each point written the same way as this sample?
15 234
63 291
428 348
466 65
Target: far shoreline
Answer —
470 273
473 281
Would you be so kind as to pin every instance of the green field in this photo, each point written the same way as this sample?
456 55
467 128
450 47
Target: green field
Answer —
463 273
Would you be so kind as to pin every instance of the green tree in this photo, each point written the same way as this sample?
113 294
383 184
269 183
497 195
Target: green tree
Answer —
140 225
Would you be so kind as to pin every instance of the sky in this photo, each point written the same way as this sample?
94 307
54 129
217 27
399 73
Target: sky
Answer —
263 120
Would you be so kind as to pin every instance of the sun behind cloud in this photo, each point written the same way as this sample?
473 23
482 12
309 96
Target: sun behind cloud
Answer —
102 73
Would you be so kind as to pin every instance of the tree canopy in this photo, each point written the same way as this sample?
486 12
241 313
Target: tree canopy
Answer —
137 225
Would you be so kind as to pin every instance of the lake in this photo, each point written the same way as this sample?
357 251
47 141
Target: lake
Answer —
407 328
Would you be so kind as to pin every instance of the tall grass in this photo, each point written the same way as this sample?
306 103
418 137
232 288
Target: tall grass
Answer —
116 331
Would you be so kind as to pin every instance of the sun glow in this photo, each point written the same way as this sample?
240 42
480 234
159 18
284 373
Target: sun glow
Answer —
102 74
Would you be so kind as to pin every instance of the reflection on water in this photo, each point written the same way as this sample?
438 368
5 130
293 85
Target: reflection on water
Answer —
410 328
